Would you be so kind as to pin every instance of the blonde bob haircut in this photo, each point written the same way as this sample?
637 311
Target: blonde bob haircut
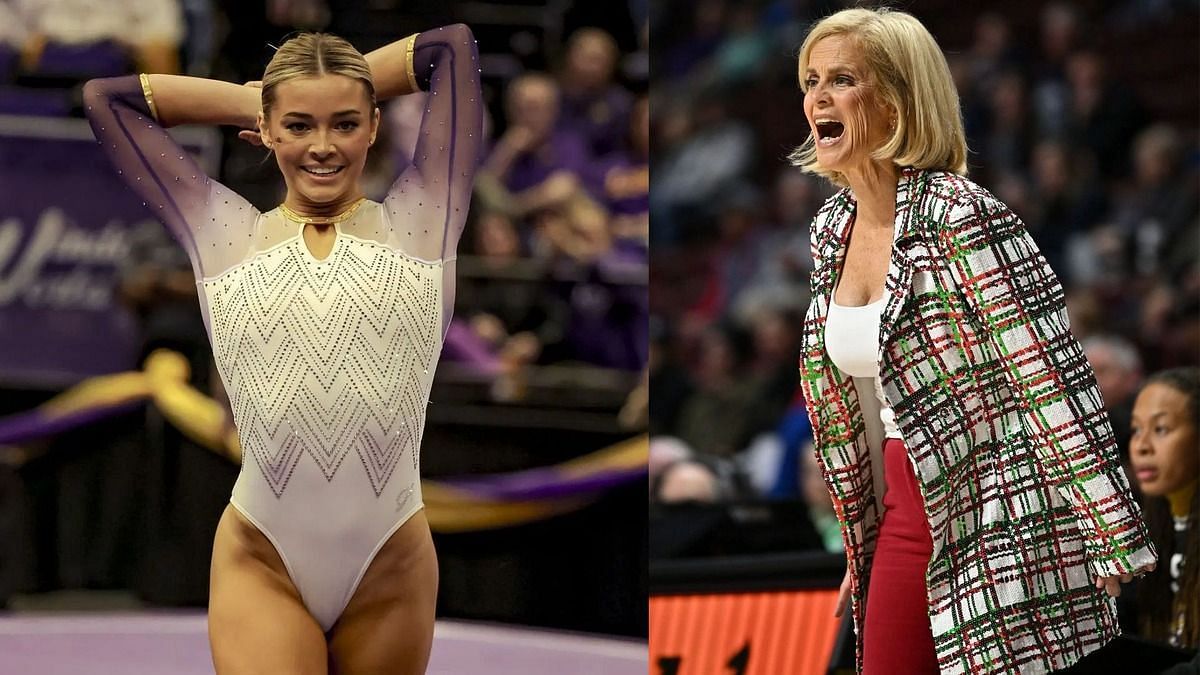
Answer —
910 73
311 55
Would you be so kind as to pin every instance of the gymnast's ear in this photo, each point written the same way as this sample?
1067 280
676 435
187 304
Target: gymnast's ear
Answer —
263 132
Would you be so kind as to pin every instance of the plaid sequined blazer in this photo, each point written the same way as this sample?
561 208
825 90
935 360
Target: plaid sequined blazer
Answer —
1024 493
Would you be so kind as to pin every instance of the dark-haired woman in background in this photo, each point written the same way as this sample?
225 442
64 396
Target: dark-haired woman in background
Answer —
1164 449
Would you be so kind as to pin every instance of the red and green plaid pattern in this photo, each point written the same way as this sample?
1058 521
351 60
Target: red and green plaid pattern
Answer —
999 409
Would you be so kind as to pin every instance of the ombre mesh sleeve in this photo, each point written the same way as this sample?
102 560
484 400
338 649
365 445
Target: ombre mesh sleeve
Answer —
212 223
427 205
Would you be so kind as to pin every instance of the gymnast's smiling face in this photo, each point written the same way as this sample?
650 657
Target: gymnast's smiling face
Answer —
320 128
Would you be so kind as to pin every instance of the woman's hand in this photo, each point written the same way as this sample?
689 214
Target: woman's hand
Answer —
252 136
1113 584
843 595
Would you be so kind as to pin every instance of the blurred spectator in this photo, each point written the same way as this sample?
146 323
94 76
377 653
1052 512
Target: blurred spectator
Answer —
95 37
670 381
714 156
780 280
1066 202
592 105
664 451
533 148
1059 34
688 480
607 325
514 318
1103 120
745 51
1118 374
794 432
741 250
993 54
775 336
679 475
627 179
714 418
1158 216
541 170
1005 146
708 27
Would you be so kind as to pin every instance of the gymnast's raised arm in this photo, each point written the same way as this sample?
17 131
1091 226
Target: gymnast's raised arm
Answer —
427 205
129 116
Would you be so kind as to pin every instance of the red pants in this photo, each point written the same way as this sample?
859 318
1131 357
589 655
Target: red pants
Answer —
896 635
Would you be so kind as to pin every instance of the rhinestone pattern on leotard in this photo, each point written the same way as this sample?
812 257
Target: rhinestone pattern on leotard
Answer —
323 357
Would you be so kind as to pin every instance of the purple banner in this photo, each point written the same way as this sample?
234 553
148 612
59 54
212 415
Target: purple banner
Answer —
65 220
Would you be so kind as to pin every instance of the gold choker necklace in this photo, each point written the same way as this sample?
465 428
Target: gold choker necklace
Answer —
322 220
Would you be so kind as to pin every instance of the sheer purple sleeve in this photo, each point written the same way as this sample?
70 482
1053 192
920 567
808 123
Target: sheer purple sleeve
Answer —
212 223
427 205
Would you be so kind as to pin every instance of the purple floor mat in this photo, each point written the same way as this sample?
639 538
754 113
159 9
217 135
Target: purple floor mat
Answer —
174 643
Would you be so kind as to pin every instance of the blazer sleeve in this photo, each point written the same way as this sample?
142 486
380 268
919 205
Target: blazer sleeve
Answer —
1016 297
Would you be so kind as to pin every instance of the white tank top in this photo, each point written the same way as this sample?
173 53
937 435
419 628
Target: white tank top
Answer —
852 340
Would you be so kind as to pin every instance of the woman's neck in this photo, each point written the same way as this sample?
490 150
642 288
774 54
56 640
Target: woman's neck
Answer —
1181 500
305 207
874 188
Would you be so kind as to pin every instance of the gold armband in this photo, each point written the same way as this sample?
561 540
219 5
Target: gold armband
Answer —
410 44
149 94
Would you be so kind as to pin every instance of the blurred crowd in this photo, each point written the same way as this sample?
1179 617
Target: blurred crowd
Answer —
1097 155
565 187
553 263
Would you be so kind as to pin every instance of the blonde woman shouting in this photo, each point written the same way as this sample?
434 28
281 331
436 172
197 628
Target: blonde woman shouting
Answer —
957 425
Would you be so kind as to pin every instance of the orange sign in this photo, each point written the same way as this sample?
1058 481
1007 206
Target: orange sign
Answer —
774 633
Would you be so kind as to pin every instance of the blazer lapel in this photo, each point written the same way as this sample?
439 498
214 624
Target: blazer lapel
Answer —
819 372
900 266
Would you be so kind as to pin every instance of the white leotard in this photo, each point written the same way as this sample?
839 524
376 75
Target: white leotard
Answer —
327 363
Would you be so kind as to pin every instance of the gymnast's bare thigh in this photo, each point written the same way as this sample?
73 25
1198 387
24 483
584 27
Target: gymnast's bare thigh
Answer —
388 625
257 623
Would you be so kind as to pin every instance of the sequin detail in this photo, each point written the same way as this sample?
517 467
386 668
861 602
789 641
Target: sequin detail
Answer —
319 360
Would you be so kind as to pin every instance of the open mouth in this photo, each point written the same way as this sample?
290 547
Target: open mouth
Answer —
829 132
322 172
